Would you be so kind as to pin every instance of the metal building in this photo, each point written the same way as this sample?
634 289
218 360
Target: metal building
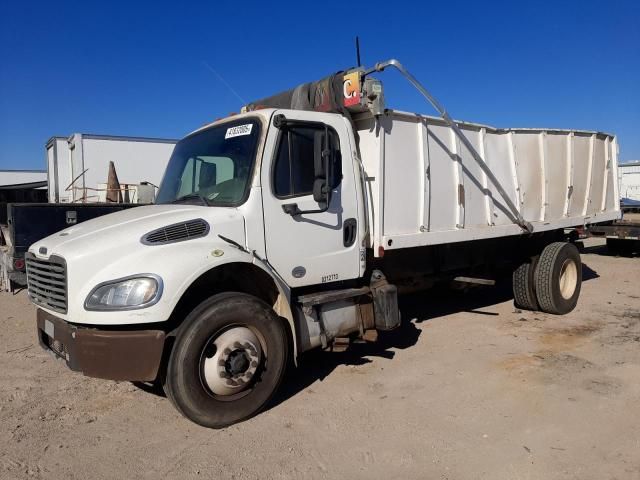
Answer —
23 186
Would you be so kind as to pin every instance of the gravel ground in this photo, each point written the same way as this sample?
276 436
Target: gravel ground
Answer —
469 387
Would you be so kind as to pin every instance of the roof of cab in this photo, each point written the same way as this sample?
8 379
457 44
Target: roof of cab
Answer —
265 113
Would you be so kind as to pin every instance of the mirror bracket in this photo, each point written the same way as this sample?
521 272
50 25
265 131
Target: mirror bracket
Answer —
280 121
293 210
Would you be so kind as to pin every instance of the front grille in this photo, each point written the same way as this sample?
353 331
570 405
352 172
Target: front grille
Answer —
47 282
177 232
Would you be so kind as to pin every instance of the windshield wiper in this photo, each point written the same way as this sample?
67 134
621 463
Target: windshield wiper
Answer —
193 196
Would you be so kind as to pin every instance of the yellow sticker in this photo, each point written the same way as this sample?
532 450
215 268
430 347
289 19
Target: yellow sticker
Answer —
351 88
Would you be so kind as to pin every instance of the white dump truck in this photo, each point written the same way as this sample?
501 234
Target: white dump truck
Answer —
292 225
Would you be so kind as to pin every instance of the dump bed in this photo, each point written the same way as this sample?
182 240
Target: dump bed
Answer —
426 188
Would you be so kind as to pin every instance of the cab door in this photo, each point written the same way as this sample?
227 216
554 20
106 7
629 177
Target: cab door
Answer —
312 247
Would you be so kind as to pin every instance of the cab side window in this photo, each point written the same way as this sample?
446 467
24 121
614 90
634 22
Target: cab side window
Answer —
293 172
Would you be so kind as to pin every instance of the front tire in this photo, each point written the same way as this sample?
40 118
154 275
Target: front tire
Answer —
558 278
228 360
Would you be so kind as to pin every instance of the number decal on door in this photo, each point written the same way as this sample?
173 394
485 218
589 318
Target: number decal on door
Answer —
329 278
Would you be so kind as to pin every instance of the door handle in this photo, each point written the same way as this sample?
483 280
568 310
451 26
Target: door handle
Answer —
349 231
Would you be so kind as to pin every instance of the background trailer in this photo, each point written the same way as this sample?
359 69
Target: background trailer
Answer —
78 165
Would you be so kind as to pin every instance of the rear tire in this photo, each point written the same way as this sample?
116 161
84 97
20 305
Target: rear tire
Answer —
228 360
524 295
558 278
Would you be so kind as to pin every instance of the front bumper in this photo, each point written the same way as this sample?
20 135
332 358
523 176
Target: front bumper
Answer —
133 355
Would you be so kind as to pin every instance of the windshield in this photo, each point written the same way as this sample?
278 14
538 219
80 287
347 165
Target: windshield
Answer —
213 166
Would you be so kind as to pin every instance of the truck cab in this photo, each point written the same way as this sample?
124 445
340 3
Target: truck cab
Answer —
258 204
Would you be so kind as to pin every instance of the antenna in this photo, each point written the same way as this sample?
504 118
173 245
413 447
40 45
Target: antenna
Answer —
358 51
223 81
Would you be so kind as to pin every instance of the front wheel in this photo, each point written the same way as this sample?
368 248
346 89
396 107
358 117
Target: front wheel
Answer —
228 360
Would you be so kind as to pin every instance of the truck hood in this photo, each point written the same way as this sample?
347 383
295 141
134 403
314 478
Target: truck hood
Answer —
124 229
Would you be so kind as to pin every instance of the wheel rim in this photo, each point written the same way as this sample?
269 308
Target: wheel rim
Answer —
231 360
568 279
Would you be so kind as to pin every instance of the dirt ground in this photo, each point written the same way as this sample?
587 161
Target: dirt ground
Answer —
468 388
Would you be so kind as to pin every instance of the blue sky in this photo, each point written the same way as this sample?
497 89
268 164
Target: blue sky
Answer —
139 68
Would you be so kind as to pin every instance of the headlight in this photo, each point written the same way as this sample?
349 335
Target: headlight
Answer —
129 293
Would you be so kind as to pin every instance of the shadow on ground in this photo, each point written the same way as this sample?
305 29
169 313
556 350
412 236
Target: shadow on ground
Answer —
416 308
605 251
588 273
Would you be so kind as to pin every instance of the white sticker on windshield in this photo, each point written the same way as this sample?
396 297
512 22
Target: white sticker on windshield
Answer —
238 131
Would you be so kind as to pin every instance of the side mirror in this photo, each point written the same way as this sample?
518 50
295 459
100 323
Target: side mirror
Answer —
319 166
322 155
323 158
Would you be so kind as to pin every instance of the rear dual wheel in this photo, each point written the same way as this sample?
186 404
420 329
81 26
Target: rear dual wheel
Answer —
228 360
550 282
558 278
524 294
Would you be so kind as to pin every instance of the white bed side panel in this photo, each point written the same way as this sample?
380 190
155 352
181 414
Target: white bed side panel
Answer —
442 185
581 161
556 174
427 188
597 176
474 184
529 154
369 145
402 178
498 154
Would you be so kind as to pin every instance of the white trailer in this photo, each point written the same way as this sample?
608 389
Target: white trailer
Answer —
78 165
293 225
629 178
